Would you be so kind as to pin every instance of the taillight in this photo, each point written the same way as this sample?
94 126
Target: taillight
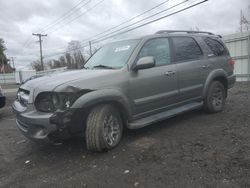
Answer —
231 62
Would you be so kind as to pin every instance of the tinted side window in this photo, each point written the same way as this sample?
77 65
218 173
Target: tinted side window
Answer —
215 46
159 49
186 49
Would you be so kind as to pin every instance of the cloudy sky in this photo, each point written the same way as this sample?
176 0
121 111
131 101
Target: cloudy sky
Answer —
86 18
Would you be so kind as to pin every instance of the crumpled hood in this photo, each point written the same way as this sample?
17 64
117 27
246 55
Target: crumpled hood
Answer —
51 82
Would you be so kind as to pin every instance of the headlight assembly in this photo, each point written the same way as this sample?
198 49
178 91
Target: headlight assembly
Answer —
44 102
52 101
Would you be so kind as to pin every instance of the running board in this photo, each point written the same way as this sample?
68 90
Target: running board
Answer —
163 115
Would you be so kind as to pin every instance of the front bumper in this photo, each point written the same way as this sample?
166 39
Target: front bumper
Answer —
33 124
2 101
231 81
46 127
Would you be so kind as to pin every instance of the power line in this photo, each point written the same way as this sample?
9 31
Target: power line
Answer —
80 15
100 38
59 19
65 16
149 22
127 21
165 10
144 24
89 9
131 19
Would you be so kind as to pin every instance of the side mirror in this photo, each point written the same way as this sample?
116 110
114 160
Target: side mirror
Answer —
145 63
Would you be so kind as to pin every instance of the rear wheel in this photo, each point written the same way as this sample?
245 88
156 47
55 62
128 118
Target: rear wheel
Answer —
215 99
104 128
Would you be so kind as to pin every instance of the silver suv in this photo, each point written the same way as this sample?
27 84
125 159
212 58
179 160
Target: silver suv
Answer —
127 84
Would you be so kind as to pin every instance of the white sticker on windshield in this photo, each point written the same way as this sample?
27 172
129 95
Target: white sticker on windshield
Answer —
122 48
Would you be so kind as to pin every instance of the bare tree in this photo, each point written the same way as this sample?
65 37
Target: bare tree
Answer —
50 64
72 59
75 51
244 21
36 65
57 63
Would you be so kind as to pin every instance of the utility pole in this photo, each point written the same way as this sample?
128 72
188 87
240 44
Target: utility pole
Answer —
12 58
40 41
90 48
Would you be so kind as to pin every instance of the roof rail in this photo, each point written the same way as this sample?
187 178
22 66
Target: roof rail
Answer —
182 31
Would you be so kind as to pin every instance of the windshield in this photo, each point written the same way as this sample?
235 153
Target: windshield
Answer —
112 56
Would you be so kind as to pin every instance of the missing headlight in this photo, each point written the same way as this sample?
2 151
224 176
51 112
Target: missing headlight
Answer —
44 102
52 101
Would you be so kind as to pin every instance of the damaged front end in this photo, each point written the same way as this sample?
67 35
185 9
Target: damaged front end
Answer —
50 115
68 120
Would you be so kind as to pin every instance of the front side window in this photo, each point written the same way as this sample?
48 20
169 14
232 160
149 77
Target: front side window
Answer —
215 46
159 49
186 49
114 55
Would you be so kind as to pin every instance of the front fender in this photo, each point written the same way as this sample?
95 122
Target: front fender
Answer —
101 96
212 75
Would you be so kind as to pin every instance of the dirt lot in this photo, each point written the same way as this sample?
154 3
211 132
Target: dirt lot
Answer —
192 150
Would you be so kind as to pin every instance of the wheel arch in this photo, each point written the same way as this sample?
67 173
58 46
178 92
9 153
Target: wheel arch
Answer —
216 75
108 96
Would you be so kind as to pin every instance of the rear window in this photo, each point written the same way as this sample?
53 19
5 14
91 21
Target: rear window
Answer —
216 47
186 49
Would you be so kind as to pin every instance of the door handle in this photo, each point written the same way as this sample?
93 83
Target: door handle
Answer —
168 73
205 66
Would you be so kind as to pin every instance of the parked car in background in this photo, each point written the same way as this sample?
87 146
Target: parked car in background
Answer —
2 98
128 84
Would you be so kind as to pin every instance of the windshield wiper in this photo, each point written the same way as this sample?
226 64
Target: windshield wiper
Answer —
103 66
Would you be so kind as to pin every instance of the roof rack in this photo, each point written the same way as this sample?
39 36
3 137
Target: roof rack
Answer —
182 31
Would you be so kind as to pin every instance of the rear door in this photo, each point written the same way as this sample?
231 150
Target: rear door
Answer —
218 56
154 89
189 60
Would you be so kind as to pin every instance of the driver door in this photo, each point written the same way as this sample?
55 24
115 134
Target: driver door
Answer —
154 89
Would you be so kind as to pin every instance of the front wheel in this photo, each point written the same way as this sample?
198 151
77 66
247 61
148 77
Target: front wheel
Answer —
104 128
215 98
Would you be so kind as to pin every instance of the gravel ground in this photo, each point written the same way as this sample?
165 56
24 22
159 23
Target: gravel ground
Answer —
191 150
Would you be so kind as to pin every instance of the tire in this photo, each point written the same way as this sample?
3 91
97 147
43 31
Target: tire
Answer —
215 98
104 128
